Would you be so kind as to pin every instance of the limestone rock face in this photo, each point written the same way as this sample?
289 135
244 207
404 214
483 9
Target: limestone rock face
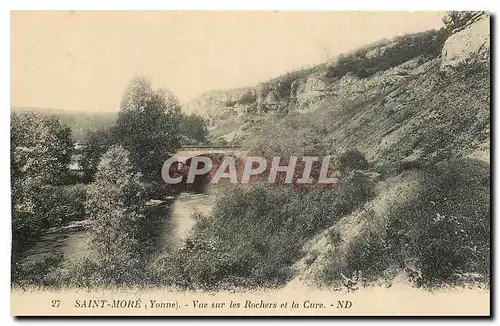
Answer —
309 90
470 45
407 95
216 104
267 97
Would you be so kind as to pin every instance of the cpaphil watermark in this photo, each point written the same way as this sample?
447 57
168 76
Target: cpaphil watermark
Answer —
303 171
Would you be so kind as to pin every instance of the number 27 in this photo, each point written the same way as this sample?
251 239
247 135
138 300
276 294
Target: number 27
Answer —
55 303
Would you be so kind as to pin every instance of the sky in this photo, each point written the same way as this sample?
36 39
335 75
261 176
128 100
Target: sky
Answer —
83 61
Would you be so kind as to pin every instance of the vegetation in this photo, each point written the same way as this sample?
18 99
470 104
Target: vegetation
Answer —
446 227
458 19
81 123
352 160
290 136
41 148
255 234
40 153
283 85
96 144
440 236
148 127
44 194
194 128
115 204
383 55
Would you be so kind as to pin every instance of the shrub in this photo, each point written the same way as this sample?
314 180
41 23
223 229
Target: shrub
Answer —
194 128
368 254
59 205
446 227
352 160
440 236
147 126
114 206
386 54
458 19
36 272
255 234
41 150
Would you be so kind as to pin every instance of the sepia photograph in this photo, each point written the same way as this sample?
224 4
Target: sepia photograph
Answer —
250 163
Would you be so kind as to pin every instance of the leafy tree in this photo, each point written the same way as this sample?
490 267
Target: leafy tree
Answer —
194 128
41 150
96 144
114 205
148 126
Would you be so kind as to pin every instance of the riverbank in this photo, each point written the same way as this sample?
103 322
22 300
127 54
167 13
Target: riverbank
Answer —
170 222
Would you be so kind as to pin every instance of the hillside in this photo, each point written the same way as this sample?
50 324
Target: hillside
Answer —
418 108
417 96
80 122
83 123
407 123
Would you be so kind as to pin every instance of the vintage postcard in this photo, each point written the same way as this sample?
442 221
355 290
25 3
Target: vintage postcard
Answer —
190 163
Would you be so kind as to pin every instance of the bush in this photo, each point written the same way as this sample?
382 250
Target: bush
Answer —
458 19
248 98
97 142
441 236
446 228
37 272
352 160
194 128
254 235
115 208
84 272
386 54
44 207
62 204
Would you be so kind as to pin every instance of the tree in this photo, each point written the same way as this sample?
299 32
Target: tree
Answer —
458 19
96 143
148 126
194 128
41 150
115 203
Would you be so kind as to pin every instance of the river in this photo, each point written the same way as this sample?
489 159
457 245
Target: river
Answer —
169 223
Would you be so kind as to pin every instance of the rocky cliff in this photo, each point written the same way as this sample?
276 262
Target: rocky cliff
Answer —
418 108
469 44
425 94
